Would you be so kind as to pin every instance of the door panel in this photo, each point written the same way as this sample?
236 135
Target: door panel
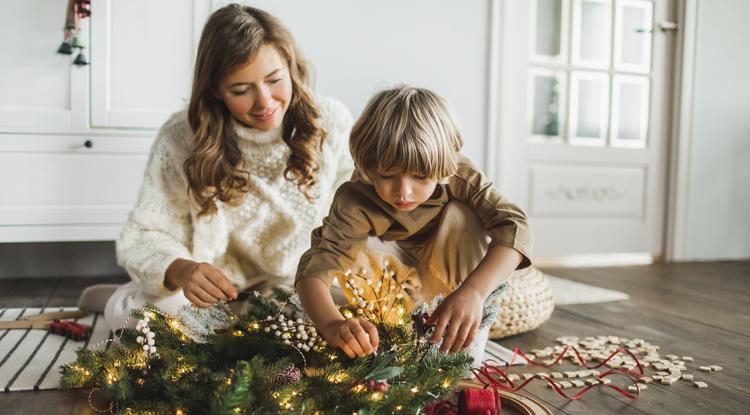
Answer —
585 152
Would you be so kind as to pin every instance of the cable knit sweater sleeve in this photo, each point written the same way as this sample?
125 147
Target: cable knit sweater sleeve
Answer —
159 229
343 126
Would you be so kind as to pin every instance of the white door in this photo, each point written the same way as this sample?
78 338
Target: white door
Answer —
584 89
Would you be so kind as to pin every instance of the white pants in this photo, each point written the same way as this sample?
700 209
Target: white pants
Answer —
130 297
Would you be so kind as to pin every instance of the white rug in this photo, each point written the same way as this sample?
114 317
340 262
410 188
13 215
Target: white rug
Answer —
31 359
571 292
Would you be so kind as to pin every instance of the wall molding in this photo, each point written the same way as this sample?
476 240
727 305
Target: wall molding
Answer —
679 153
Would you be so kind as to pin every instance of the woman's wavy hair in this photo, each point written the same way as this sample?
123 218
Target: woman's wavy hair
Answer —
231 38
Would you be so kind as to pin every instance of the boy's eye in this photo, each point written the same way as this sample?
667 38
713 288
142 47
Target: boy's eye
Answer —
420 177
386 176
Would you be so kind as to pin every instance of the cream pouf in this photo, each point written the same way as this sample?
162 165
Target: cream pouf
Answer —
526 304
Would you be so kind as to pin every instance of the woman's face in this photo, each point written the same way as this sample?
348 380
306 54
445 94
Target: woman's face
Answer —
258 93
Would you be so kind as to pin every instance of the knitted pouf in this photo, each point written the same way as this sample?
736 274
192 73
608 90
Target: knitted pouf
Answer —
526 304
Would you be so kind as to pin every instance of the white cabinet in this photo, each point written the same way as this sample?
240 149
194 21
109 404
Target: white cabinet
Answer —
143 59
39 89
74 140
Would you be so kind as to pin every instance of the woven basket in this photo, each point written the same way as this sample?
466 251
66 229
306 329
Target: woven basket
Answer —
526 304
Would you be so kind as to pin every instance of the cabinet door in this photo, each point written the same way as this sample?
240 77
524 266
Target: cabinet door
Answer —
68 188
36 83
142 55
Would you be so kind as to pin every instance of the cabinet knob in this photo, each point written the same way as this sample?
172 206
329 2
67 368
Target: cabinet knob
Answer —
88 143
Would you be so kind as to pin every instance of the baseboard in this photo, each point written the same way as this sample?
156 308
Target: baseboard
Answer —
58 259
598 260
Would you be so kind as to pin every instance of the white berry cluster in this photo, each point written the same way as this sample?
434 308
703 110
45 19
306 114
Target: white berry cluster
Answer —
383 292
294 332
146 340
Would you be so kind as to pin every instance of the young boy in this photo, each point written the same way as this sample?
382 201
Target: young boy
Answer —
413 191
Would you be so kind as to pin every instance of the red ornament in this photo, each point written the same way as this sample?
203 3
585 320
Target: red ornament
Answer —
376 386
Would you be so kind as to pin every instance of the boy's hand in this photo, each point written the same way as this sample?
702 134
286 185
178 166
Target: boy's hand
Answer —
202 283
355 336
456 319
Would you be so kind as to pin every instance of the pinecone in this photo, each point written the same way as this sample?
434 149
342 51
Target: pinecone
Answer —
287 376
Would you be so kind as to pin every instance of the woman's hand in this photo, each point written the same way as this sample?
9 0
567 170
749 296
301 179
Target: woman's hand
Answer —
355 336
202 283
456 319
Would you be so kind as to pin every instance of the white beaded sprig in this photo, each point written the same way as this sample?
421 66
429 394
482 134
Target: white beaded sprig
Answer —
386 292
296 333
147 339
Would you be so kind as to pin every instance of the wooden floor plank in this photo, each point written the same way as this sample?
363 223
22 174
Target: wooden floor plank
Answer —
667 291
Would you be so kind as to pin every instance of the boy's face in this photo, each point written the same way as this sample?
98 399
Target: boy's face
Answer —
403 191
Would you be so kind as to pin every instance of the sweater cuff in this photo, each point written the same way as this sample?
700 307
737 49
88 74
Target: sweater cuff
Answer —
153 279
512 242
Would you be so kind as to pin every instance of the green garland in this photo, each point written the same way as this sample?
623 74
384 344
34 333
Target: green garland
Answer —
249 369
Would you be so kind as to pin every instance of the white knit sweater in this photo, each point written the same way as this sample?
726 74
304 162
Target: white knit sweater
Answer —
263 238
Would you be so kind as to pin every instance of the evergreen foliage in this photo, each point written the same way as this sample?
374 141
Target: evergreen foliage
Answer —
250 368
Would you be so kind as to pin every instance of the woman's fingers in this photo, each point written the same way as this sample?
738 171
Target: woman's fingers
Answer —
202 295
217 278
211 289
195 300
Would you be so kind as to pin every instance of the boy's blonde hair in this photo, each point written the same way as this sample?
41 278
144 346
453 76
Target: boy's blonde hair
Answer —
407 130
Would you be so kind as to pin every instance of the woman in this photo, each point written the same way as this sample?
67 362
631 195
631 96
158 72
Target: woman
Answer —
235 184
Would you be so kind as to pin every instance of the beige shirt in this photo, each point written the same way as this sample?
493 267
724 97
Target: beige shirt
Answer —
358 212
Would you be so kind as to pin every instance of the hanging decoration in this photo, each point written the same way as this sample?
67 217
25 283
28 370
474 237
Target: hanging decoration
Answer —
75 12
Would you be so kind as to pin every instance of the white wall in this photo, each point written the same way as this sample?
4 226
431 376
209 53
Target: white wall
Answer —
358 47
718 211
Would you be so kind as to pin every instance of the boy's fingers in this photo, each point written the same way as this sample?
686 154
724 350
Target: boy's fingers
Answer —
363 338
458 343
350 339
440 323
450 337
432 320
372 331
348 350
472 334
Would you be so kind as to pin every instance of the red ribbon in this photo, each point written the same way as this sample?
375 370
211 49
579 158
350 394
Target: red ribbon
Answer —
471 401
489 374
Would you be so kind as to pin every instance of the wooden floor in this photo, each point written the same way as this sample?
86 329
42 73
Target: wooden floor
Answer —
696 309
